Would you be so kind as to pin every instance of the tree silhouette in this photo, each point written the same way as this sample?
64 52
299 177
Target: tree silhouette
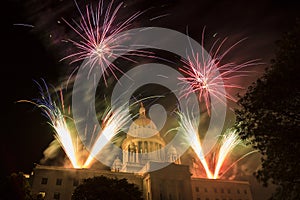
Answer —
15 187
269 118
103 188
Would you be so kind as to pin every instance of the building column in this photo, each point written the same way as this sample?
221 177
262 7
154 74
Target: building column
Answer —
157 151
137 154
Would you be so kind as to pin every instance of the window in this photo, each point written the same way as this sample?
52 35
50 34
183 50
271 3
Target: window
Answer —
207 199
58 181
205 189
197 189
245 191
215 189
228 191
198 198
75 182
222 190
56 195
238 191
44 181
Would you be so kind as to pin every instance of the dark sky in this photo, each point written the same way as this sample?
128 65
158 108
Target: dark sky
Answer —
30 53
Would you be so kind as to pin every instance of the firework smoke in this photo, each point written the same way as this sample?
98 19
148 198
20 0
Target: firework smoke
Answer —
51 152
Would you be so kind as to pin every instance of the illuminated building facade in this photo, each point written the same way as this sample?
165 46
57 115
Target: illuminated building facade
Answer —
211 189
157 172
143 144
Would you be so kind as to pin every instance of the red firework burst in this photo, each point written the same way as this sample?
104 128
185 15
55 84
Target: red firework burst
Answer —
208 76
100 36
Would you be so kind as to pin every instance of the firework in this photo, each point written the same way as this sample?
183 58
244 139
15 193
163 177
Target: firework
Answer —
99 36
56 119
113 122
189 127
228 142
209 76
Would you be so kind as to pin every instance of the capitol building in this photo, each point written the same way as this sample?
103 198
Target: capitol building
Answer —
146 162
143 144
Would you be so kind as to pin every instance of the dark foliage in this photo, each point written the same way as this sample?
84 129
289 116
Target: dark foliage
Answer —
269 118
103 188
15 187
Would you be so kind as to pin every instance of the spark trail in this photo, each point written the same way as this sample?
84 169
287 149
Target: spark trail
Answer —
56 119
113 122
228 142
100 37
189 127
207 74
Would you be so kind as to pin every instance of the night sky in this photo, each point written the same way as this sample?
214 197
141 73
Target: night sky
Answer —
30 53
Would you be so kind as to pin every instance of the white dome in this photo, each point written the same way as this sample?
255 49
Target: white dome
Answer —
142 127
143 144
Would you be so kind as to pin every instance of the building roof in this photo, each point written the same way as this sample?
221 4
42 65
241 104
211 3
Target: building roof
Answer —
143 127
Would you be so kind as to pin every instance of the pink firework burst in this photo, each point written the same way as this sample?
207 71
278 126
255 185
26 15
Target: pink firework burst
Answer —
100 36
208 75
